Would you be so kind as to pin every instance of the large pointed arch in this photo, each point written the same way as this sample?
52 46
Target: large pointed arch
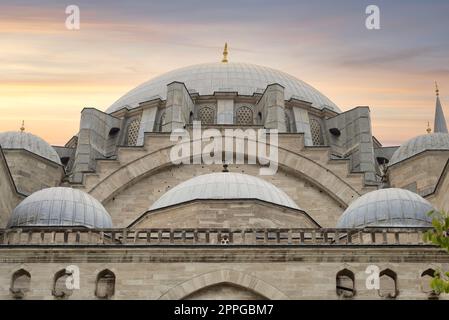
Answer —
294 162
228 276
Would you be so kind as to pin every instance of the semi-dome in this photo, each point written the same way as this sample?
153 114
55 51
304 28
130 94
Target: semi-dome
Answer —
60 206
30 142
224 185
392 207
208 78
432 141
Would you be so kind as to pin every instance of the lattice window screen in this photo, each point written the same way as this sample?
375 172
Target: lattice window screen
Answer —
244 116
133 132
315 130
206 115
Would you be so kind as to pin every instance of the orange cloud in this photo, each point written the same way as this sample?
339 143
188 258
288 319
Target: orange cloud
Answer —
49 73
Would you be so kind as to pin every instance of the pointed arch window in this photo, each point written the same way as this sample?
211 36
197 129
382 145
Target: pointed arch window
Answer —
60 289
388 284
426 278
20 283
105 285
345 284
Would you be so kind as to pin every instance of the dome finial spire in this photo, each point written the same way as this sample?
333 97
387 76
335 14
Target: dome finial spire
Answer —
225 53
429 130
22 128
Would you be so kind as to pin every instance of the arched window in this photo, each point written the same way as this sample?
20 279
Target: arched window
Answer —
113 132
105 286
133 132
259 118
315 130
426 278
191 117
161 121
244 116
388 284
60 289
345 284
20 283
206 115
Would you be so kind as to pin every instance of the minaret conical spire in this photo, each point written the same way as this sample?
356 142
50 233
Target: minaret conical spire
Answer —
440 121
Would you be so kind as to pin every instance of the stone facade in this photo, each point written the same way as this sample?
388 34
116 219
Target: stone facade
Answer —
225 214
31 172
178 273
421 173
9 195
220 248
133 201
439 197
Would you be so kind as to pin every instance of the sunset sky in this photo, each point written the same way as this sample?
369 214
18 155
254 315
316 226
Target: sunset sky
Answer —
49 73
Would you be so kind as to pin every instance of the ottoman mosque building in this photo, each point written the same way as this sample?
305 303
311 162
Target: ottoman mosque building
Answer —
110 213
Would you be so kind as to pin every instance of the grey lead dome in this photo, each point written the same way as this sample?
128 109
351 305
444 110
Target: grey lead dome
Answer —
207 78
60 206
224 185
432 141
30 142
391 207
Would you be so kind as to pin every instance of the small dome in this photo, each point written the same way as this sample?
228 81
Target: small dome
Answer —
224 185
391 207
207 78
60 206
30 142
433 141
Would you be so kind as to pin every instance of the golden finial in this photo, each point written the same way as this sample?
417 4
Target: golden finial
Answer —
437 91
428 127
225 53
22 128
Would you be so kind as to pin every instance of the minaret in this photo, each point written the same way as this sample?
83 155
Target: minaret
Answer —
440 122
225 53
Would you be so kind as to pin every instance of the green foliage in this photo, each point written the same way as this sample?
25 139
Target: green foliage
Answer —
439 235
439 283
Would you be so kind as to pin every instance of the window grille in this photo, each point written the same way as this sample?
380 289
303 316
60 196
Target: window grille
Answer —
244 116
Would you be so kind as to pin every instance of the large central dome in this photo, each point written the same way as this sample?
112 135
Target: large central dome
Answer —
208 78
